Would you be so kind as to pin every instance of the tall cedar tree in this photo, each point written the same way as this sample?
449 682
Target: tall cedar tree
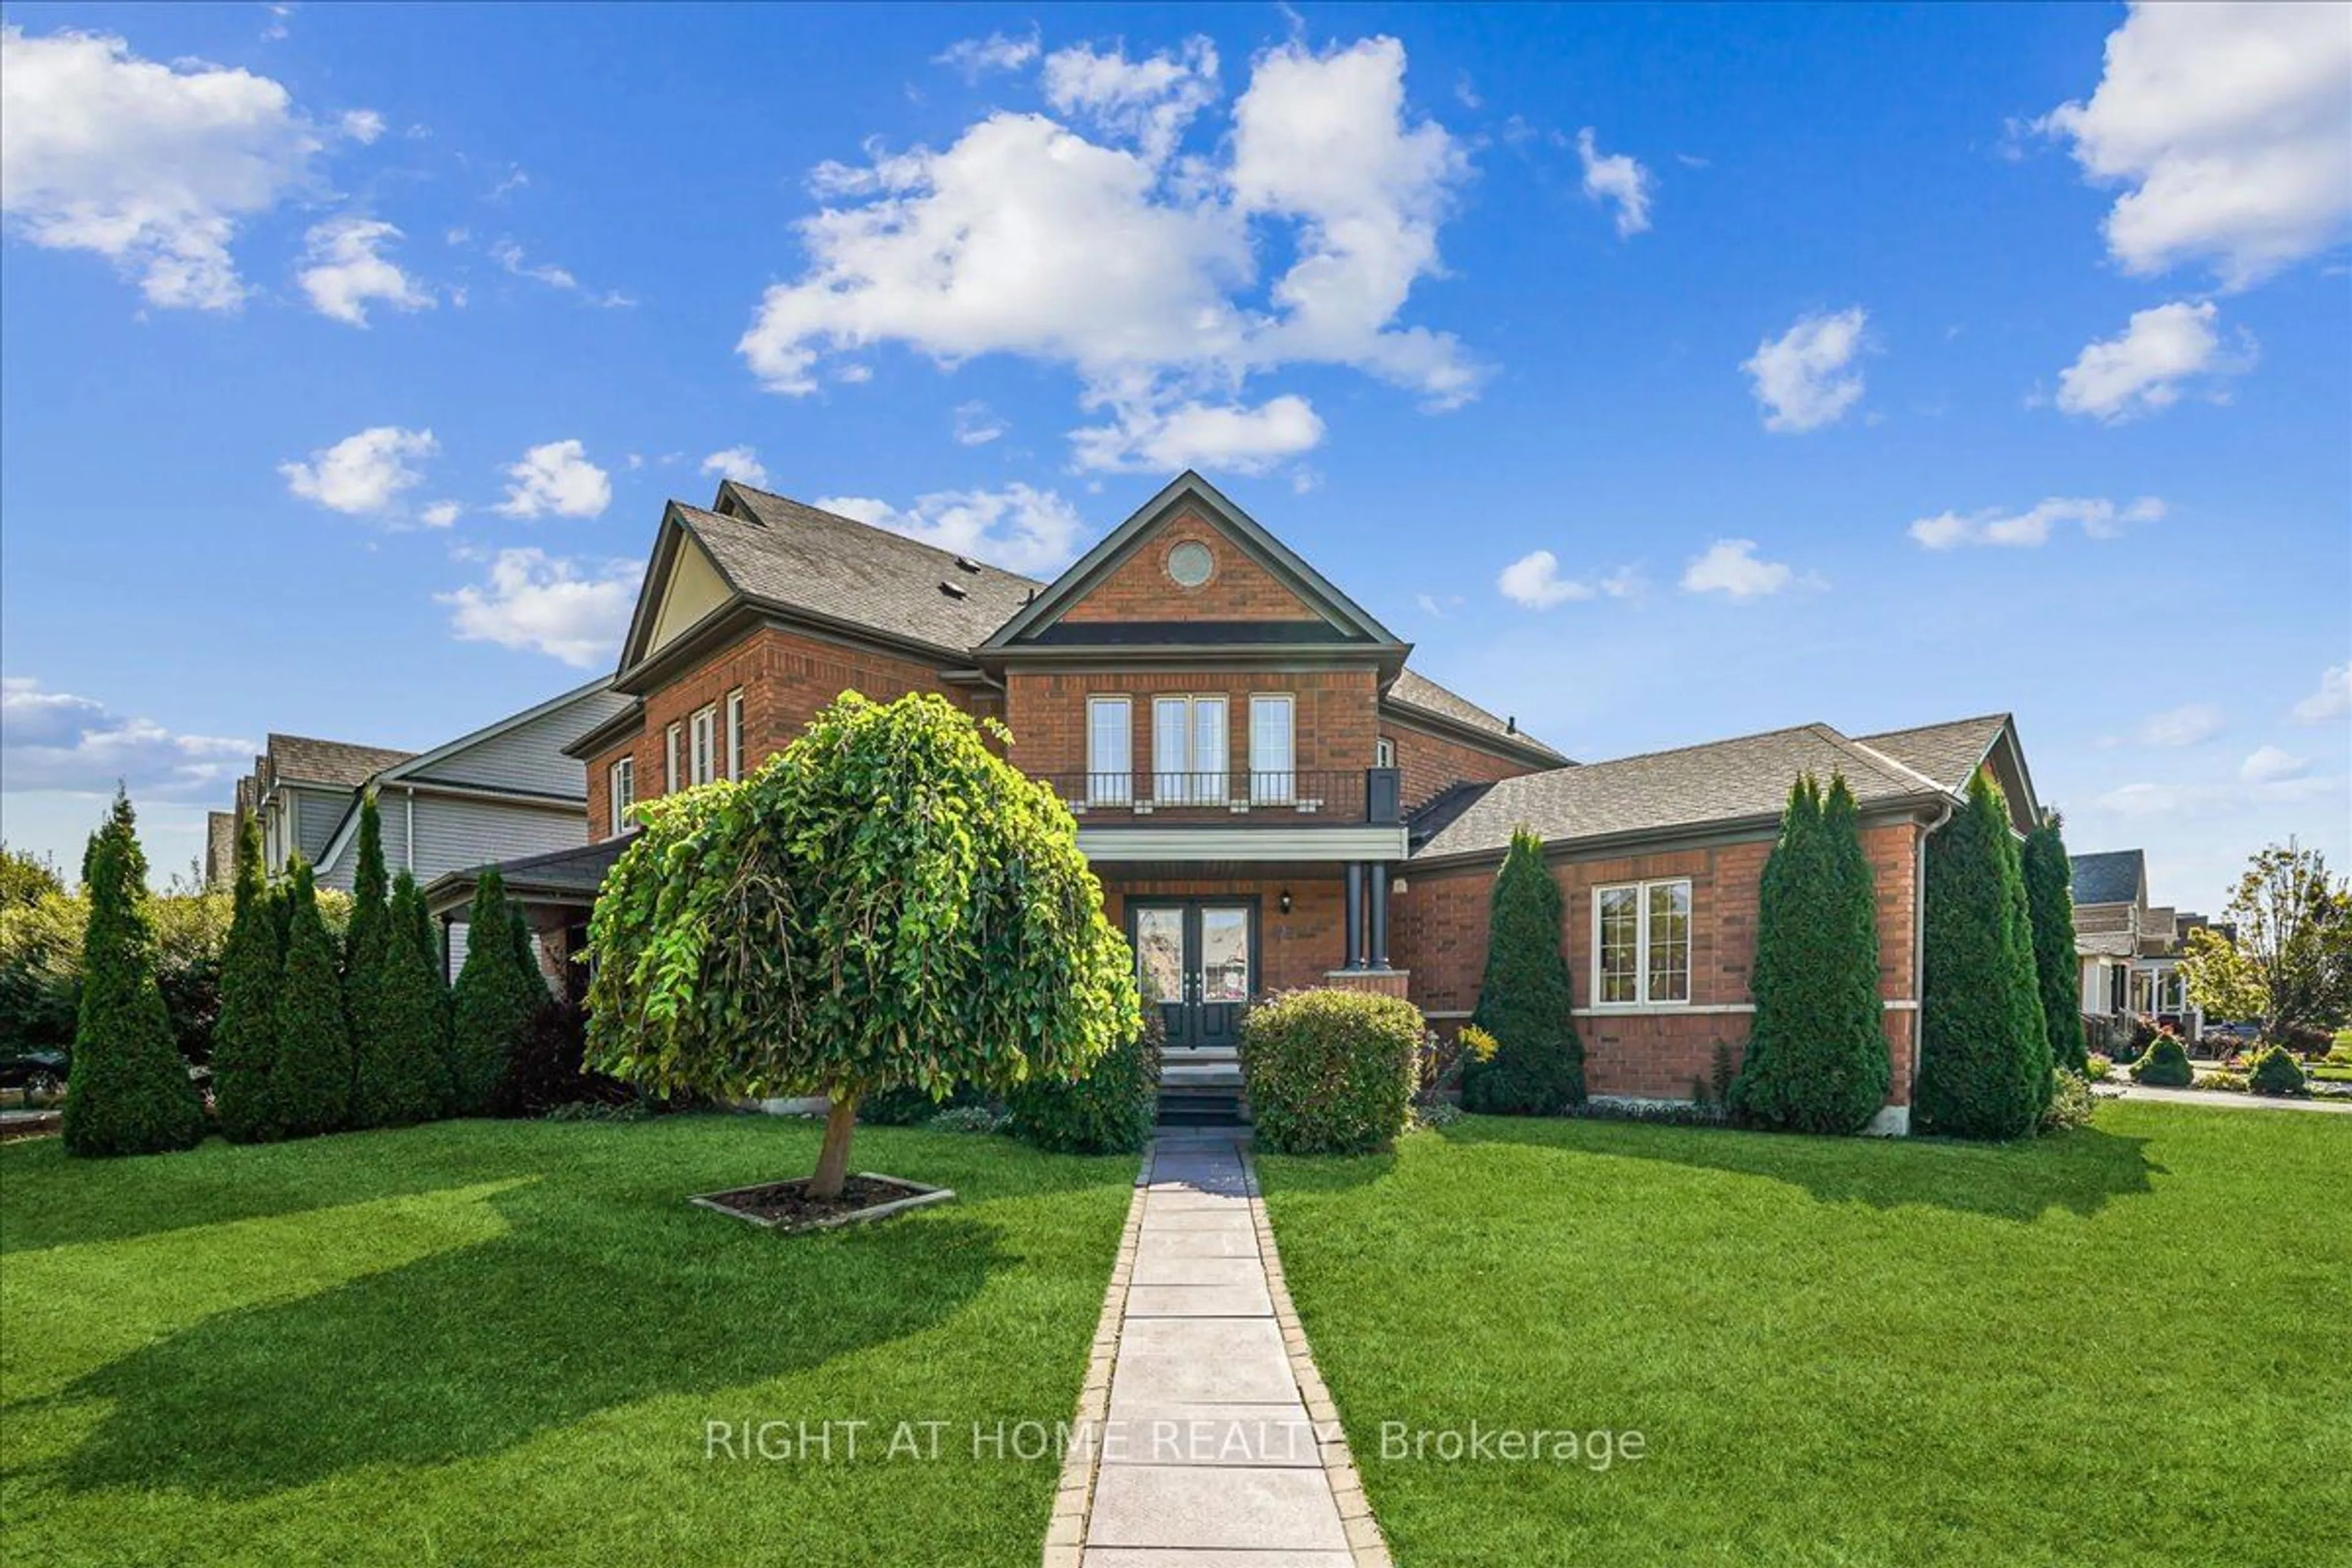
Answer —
2049 900
310 1082
1816 1059
425 941
1984 1065
404 1057
496 997
244 1039
1526 999
366 947
128 1090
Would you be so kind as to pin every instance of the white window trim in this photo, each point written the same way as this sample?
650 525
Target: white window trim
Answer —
669 773
1383 753
1191 785
1273 786
1641 1002
621 788
702 745
1110 785
735 733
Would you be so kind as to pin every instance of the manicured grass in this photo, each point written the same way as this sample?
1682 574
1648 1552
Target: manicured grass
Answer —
2120 1345
496 1343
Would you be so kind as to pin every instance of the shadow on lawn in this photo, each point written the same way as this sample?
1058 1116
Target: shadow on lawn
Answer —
581 1307
2078 1171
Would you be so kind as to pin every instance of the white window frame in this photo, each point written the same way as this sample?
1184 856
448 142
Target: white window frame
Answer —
703 744
1274 785
620 786
735 733
1110 781
1642 997
1383 753
1192 785
669 772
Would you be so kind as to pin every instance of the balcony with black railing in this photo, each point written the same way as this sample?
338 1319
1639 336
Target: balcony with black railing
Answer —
1339 798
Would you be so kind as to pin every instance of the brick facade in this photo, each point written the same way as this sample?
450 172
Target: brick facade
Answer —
1294 950
1238 589
1438 933
1333 720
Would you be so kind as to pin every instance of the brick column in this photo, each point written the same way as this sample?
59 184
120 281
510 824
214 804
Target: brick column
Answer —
1379 982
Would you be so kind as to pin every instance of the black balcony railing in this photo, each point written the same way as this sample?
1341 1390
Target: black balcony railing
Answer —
1341 796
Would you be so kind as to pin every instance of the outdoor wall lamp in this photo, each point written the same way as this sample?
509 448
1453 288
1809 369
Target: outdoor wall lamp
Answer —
1283 900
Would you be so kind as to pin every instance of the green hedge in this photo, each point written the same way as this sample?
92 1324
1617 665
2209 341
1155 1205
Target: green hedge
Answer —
1109 1111
2274 1070
1330 1072
2163 1064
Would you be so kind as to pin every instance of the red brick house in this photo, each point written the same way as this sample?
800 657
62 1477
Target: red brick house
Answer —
1271 797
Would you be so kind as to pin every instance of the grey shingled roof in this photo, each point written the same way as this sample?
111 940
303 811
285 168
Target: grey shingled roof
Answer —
561 872
1722 782
1946 753
2113 877
308 761
798 556
1413 689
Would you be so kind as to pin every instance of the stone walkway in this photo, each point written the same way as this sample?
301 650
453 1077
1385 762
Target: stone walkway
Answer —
2225 1100
1218 1446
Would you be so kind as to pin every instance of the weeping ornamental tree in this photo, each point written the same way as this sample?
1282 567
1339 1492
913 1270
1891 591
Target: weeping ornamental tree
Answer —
2058 972
1816 1059
128 1091
1984 1064
1526 999
245 1038
883 904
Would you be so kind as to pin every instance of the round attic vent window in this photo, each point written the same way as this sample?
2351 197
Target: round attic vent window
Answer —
1189 563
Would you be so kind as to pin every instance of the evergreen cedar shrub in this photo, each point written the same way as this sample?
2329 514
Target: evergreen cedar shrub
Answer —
2275 1071
401 1045
127 1091
311 1076
1816 1059
366 944
885 903
2049 902
498 993
2163 1064
1110 1110
1984 1069
245 1037
546 1070
1330 1071
1525 998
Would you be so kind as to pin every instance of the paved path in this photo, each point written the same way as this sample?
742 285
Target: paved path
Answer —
1218 1444
2225 1099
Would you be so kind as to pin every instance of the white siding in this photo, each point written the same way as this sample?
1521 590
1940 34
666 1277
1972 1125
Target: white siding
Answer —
457 835
529 756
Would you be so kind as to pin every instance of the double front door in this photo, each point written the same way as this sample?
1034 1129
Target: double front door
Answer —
1195 960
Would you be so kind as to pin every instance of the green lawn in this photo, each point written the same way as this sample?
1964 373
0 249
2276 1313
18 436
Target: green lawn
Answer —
498 1344
2121 1345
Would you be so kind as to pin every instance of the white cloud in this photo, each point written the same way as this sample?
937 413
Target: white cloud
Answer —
1729 566
1618 180
976 425
556 477
547 605
363 474
509 256
2115 379
2231 124
152 166
1195 434
741 464
2099 518
2183 726
1148 101
976 56
1025 237
1534 580
1017 528
2332 699
1432 604
361 125
1805 377
2172 799
346 270
440 514
55 740
2268 764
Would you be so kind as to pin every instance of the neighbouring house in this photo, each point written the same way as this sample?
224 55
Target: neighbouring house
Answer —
2130 950
507 790
1271 798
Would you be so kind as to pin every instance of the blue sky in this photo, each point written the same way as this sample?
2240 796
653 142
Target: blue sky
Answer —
1663 373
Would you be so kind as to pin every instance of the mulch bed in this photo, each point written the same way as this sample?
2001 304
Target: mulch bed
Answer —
786 1205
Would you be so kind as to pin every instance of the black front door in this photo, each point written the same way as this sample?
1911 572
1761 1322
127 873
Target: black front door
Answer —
1195 960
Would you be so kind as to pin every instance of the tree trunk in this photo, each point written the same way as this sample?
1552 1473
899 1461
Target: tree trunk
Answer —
833 1159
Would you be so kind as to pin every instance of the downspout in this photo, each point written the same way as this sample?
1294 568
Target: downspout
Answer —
1920 954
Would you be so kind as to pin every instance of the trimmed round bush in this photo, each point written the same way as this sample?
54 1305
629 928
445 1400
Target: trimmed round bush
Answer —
2163 1064
1108 1111
1330 1072
2274 1070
